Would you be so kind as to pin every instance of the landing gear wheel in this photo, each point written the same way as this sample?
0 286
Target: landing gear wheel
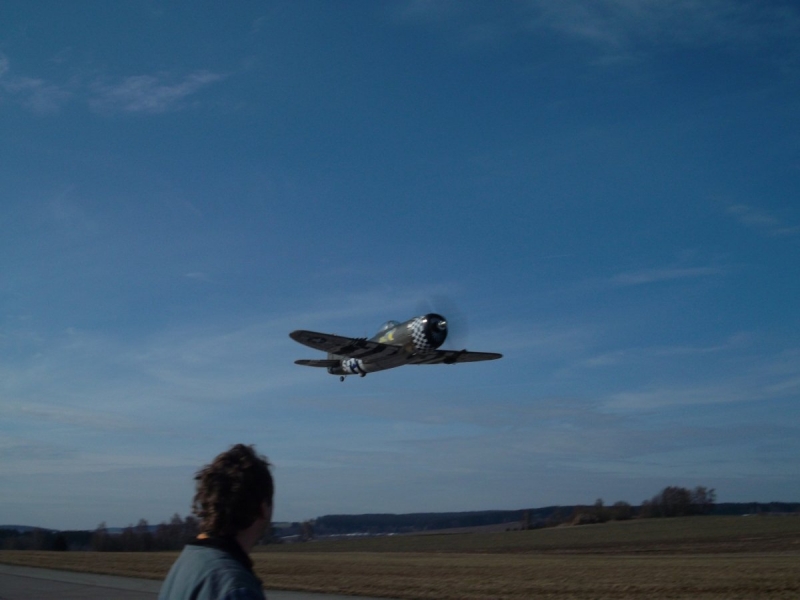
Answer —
341 377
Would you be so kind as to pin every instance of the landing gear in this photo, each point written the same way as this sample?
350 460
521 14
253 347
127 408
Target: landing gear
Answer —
363 374
341 377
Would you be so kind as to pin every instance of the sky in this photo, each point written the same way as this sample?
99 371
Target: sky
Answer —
605 191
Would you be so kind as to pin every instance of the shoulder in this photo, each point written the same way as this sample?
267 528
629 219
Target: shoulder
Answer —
213 571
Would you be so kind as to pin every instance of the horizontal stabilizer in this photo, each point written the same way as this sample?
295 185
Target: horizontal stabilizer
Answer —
318 363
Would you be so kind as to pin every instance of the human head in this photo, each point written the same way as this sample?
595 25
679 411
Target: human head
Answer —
232 491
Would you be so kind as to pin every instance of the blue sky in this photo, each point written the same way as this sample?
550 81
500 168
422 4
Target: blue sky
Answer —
606 191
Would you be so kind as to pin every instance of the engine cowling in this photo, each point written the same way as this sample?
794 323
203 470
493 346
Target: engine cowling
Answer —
428 332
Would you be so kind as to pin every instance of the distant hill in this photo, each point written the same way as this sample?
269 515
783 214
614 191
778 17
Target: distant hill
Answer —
417 522
755 508
29 529
25 528
383 524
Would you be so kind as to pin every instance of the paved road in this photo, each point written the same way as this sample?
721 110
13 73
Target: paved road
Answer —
26 583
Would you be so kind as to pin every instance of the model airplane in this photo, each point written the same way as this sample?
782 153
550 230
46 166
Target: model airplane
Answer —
413 342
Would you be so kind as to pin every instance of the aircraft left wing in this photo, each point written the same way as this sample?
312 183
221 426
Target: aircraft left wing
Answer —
344 346
318 363
451 357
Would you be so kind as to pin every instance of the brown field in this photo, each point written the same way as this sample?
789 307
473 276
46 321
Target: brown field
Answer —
704 558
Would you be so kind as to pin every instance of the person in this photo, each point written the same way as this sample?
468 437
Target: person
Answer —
233 502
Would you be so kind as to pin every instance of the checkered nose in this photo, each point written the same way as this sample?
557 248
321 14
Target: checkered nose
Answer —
428 332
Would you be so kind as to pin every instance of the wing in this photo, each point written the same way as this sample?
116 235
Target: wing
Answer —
345 346
451 357
318 363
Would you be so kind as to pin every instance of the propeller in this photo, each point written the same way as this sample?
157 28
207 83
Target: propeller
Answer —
457 326
436 329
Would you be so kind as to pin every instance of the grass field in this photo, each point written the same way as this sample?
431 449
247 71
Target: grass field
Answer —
711 558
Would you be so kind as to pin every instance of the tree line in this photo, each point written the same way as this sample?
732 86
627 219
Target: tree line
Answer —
142 537
39 539
172 535
672 501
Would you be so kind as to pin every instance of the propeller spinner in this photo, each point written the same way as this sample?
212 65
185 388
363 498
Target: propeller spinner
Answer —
435 327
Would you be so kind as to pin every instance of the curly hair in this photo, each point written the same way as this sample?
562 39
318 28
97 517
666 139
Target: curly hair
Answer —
231 490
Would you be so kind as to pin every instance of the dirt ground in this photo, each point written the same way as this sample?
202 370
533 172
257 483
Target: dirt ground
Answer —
703 558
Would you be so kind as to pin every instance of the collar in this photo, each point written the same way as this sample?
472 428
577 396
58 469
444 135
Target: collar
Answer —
226 544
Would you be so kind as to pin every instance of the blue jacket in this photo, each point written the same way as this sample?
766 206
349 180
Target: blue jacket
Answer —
212 569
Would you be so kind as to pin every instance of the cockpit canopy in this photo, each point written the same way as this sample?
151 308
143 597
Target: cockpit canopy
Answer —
388 325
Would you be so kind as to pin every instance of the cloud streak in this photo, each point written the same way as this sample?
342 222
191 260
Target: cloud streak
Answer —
619 30
762 220
137 94
619 25
149 94
646 276
37 95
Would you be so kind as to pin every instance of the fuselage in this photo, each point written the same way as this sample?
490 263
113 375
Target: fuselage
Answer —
417 336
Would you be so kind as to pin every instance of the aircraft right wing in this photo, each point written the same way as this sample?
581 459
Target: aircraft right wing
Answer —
344 346
451 357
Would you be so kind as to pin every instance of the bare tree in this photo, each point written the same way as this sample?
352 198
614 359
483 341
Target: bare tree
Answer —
101 541
703 500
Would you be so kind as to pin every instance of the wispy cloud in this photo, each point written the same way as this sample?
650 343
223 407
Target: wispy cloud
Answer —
645 276
656 398
772 377
37 95
146 94
91 417
622 25
149 93
198 276
678 270
620 30
762 220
